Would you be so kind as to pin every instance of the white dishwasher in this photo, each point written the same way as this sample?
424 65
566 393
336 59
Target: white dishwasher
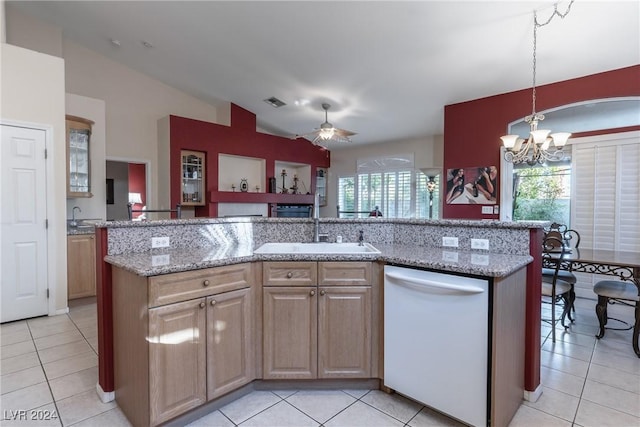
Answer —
436 341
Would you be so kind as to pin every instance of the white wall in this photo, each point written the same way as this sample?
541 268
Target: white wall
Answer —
428 153
33 93
94 110
133 101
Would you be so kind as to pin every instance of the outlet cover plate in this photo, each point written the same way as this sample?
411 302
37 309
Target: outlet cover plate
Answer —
160 242
480 244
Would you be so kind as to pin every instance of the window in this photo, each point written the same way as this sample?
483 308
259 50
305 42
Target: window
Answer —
542 193
397 194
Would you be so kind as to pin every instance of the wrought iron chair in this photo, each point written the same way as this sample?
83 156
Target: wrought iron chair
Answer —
617 291
571 240
553 287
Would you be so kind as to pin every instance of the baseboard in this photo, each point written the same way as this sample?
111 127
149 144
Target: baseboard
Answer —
105 397
533 396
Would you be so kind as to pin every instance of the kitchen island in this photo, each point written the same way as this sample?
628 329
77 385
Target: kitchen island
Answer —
219 243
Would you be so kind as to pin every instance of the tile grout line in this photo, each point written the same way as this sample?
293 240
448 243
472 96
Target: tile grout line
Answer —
46 377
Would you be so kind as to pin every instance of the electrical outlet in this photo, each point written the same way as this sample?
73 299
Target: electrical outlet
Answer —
160 242
451 242
480 244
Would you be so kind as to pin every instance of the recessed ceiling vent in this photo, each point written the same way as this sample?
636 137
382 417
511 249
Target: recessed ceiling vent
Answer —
274 102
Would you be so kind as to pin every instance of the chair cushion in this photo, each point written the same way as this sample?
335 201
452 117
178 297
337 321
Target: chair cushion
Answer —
617 289
565 275
562 287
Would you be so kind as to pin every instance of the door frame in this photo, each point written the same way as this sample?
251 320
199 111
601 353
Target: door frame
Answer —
53 256
147 170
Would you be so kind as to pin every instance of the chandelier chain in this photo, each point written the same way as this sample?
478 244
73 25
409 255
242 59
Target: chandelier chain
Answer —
537 24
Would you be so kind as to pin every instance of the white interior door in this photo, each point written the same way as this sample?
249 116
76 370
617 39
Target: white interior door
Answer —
23 230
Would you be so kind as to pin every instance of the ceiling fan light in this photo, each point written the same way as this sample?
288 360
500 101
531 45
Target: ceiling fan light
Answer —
560 138
327 133
540 135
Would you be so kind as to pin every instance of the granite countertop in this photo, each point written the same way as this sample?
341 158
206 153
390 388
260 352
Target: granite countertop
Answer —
164 261
84 229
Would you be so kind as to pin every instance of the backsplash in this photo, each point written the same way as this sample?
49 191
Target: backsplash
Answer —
133 237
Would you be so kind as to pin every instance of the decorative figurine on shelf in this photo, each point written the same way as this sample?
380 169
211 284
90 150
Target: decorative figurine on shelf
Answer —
294 189
257 188
284 187
244 185
233 188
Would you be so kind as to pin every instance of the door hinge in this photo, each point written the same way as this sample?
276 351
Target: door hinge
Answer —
46 224
45 153
47 293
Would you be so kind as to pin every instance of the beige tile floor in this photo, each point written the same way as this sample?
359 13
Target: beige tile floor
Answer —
48 367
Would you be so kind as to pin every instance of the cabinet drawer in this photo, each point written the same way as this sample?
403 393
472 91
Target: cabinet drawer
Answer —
293 273
344 273
175 287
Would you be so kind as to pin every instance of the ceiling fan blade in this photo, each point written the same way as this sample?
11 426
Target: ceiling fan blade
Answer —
344 133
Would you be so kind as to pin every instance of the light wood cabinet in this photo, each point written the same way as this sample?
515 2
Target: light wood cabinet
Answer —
344 332
177 359
290 331
317 329
182 339
230 351
81 266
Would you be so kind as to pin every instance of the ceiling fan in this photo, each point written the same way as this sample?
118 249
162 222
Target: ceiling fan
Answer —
326 131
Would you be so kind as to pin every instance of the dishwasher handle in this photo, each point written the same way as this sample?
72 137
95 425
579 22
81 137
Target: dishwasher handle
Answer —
426 285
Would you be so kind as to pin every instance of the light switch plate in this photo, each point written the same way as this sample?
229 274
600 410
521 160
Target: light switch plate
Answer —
487 210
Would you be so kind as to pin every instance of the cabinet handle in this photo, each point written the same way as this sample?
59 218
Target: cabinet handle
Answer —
322 292
213 302
289 275
202 305
312 293
205 283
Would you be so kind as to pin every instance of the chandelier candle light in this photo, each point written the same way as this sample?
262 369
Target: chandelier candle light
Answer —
537 148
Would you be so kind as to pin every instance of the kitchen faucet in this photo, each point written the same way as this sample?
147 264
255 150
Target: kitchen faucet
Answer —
361 238
73 222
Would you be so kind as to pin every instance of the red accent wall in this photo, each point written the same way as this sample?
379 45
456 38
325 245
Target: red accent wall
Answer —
242 139
472 129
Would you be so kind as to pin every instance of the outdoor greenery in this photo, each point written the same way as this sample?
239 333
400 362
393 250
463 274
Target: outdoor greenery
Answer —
539 194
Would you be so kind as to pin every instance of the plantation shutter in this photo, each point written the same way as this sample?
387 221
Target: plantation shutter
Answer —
606 197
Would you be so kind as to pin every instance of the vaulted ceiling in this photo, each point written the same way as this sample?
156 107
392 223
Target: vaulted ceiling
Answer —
387 68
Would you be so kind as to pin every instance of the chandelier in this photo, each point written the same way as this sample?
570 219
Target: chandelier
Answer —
542 145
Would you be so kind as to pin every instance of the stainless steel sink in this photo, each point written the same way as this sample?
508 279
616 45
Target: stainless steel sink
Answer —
316 248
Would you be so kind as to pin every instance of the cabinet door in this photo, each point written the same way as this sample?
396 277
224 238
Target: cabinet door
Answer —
81 266
177 359
344 332
78 158
229 342
193 178
290 332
